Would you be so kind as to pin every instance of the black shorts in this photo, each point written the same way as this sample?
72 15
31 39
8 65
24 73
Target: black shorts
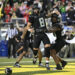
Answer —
58 45
30 45
38 37
25 45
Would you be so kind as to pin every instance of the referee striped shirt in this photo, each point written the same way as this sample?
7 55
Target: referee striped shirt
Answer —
11 32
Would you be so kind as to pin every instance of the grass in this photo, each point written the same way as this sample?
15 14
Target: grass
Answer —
29 69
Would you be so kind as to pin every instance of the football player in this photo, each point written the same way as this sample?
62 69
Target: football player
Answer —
57 28
37 20
24 45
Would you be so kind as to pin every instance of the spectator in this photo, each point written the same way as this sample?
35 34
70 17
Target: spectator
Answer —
14 1
10 2
15 6
30 2
26 15
7 18
56 5
63 11
69 5
52 3
18 12
1 6
19 2
14 15
7 9
63 0
23 8
71 16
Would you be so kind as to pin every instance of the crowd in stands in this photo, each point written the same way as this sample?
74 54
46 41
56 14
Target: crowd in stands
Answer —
23 8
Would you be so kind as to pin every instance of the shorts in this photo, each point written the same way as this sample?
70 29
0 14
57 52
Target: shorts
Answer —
24 44
38 37
58 45
30 45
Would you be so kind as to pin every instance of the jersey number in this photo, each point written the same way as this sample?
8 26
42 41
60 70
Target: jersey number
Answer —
42 23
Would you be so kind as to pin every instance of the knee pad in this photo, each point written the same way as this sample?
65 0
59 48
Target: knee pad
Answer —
47 52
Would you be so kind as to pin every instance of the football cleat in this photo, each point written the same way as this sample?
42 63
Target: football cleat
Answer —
58 68
64 63
41 65
17 65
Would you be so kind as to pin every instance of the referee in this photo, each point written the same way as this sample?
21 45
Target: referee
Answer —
11 33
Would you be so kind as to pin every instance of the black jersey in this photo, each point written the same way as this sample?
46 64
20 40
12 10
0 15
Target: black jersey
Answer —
59 33
55 19
27 36
38 21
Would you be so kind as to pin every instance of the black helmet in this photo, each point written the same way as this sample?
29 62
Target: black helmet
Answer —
8 71
54 17
35 6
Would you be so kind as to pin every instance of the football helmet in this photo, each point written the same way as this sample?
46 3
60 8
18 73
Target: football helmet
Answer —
8 71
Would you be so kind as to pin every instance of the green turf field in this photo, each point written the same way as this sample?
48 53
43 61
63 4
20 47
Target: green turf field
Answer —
29 69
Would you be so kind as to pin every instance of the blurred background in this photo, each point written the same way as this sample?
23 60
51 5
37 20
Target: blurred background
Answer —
19 10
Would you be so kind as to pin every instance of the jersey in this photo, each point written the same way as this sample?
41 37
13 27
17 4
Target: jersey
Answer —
55 19
38 22
59 35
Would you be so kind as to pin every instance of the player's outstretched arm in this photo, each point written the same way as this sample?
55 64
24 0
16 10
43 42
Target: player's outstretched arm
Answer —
25 30
18 27
54 29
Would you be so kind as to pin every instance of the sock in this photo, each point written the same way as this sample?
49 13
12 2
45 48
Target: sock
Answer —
17 63
40 62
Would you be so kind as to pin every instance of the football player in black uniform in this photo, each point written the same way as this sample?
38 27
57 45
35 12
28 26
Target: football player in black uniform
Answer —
24 45
37 20
60 40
